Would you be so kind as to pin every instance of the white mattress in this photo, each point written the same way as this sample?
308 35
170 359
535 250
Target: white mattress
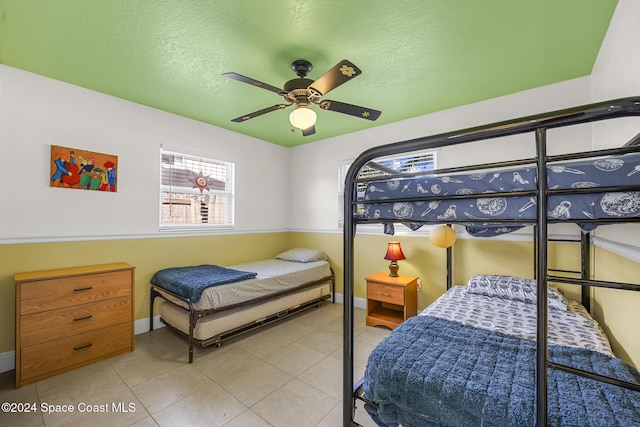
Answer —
274 275
573 327
224 321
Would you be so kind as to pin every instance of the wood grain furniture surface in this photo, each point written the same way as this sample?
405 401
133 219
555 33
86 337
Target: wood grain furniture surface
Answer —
391 300
71 317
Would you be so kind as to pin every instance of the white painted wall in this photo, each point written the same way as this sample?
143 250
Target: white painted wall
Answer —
616 74
36 112
314 182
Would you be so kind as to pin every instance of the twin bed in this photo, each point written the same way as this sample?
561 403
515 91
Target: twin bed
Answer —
469 359
209 303
498 351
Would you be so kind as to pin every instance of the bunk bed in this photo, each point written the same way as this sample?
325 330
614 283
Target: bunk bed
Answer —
604 189
209 304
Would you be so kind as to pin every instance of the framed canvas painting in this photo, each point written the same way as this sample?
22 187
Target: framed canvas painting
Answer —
82 169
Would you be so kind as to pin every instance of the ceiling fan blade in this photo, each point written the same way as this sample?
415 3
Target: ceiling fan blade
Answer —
254 82
339 74
259 113
309 131
352 110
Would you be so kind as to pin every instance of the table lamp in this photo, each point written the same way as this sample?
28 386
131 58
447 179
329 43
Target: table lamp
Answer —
394 253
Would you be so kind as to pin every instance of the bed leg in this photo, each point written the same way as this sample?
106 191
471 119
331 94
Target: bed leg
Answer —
152 297
333 287
192 321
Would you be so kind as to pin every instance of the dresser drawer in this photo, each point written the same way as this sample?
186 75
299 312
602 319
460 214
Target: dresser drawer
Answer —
59 355
385 293
50 325
61 292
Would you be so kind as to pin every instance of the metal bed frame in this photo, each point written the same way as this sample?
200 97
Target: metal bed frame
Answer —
538 125
195 315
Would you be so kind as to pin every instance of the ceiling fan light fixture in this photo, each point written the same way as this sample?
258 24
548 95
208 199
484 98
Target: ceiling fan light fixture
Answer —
302 117
303 92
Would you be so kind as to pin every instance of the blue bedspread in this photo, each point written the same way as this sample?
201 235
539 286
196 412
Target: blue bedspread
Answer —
435 372
190 282
407 200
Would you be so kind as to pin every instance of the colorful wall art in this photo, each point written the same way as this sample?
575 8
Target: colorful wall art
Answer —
82 169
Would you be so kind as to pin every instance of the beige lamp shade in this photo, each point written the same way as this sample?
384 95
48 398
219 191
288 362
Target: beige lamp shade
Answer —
442 236
302 117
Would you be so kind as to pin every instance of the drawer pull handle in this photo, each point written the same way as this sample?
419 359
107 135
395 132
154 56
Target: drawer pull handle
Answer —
83 289
82 347
83 318
386 294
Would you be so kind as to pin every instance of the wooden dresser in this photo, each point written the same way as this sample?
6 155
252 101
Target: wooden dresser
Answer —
72 317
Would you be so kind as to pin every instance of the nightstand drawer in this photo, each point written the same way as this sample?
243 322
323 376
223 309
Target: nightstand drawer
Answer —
390 299
385 293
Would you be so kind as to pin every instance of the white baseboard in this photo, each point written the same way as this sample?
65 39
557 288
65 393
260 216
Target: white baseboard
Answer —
140 326
357 301
7 361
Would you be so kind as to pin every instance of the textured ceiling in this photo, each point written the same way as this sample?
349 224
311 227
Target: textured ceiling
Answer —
416 57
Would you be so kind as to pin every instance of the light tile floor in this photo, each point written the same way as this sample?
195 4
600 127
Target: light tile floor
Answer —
285 374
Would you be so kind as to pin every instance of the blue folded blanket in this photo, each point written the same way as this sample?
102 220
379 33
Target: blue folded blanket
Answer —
190 282
435 372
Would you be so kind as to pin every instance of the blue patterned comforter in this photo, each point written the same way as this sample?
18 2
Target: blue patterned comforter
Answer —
603 172
190 282
436 372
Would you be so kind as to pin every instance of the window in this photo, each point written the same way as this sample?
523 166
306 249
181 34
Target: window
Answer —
424 161
195 190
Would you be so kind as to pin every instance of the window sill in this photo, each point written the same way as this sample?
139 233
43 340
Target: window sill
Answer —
191 229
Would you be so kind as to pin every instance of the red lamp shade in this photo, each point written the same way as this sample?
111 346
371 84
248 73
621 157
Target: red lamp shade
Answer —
394 253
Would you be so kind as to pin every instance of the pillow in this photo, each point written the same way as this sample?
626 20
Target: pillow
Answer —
514 288
302 255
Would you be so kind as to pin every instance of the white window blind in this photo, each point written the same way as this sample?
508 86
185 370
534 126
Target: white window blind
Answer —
196 191
424 161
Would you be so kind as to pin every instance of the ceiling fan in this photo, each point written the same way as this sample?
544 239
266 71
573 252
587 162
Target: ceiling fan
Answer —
303 93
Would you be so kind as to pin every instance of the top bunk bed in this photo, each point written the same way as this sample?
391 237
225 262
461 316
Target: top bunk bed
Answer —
495 201
587 188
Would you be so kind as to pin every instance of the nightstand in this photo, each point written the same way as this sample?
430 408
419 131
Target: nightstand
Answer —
391 300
